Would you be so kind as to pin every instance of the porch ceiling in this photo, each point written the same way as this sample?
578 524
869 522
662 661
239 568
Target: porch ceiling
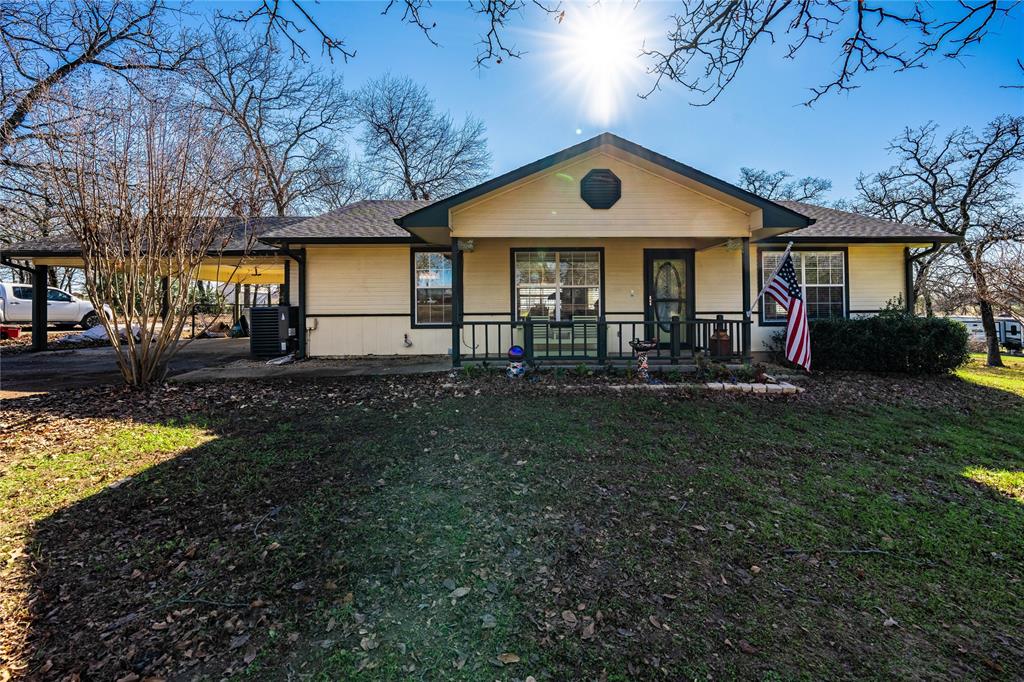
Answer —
238 270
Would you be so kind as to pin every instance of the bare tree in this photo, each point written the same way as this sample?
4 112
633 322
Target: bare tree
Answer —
46 43
711 40
413 151
963 184
139 193
1005 274
288 120
778 185
289 20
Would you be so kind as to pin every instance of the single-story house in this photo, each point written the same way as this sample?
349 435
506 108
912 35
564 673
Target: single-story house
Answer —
572 256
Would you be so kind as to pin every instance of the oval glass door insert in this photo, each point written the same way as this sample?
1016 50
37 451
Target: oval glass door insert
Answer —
668 293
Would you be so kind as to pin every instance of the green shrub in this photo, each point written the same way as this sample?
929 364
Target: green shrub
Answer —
893 341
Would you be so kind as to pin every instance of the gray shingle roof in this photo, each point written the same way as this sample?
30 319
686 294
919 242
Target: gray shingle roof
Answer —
238 236
362 220
835 225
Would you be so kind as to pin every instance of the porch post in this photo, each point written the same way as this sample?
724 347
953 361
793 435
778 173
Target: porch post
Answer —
747 322
456 302
40 275
908 279
165 298
674 339
303 340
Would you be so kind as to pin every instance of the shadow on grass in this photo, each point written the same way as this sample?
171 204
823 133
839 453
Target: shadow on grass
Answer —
319 532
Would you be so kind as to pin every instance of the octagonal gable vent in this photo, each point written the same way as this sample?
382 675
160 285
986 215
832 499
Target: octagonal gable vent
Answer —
600 188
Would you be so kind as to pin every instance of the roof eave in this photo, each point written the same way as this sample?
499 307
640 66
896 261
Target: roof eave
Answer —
298 239
861 239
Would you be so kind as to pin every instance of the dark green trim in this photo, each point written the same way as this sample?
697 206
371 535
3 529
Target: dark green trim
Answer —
908 273
300 258
745 283
600 188
40 275
165 298
412 287
908 281
436 214
456 324
541 249
760 280
691 283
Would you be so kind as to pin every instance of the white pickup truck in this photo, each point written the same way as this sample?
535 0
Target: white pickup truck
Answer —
62 309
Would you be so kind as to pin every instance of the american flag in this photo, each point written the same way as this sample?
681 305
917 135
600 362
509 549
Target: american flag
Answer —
784 287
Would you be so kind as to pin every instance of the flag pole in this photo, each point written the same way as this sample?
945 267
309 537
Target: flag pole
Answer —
767 280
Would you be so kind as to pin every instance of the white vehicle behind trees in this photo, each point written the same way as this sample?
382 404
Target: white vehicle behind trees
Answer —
62 308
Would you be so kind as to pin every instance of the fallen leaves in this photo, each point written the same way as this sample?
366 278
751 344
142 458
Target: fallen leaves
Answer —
508 659
460 592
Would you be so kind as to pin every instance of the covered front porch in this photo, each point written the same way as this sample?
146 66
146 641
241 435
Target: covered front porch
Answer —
572 302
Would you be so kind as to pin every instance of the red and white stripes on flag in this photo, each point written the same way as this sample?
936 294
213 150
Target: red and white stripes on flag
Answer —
784 287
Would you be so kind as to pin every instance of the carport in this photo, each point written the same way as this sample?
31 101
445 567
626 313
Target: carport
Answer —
241 260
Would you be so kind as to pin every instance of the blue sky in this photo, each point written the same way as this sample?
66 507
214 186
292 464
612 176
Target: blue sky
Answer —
533 106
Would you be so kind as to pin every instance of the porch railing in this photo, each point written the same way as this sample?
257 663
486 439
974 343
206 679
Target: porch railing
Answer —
599 341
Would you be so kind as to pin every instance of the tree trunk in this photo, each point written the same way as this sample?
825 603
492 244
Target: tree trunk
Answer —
988 322
928 310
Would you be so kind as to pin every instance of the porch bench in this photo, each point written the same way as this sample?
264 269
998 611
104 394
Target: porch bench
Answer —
577 338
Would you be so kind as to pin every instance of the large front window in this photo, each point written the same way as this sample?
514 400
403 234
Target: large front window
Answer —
432 284
557 285
822 277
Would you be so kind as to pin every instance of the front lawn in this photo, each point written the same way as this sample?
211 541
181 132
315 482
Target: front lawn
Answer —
410 529
1008 378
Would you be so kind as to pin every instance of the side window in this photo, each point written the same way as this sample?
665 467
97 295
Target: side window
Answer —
432 287
24 293
57 295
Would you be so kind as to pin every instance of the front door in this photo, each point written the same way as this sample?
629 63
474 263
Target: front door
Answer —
668 291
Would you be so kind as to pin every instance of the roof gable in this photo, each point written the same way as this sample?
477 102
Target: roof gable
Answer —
773 215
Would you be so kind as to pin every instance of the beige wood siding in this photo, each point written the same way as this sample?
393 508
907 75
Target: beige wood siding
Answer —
344 336
358 279
548 204
488 279
369 284
876 275
719 272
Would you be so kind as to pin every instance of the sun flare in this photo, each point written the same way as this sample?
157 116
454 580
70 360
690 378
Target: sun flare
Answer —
598 55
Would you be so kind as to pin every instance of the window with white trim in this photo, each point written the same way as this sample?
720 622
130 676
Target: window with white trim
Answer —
557 285
822 277
432 287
